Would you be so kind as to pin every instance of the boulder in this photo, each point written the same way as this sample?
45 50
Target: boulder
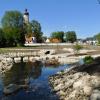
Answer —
25 59
95 95
51 62
31 59
17 60
87 90
10 60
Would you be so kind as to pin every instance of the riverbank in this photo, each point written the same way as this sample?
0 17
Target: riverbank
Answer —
46 56
80 82
72 84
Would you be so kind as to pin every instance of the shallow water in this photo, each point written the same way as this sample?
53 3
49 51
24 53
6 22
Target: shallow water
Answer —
35 75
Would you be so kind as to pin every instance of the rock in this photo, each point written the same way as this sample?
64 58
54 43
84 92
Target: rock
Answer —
58 87
87 90
95 95
75 85
10 60
31 59
51 62
83 81
78 84
62 93
25 59
17 60
72 95
95 81
5 65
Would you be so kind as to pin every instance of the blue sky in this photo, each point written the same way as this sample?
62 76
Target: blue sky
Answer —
82 16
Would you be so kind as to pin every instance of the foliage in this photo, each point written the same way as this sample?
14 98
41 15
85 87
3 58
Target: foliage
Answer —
12 24
59 35
2 38
36 30
44 38
77 48
88 60
71 36
97 37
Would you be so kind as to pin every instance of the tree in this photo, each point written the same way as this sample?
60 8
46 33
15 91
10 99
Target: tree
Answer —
36 30
12 23
59 35
2 38
71 36
97 37
44 38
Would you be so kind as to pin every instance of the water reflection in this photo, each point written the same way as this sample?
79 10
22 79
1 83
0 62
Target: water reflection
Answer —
36 76
21 71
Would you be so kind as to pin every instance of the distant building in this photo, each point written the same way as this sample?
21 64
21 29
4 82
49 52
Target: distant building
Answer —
48 40
30 40
55 40
87 41
92 42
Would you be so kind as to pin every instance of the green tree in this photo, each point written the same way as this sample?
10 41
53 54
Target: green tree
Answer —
12 23
71 36
97 37
36 30
2 38
59 35
44 38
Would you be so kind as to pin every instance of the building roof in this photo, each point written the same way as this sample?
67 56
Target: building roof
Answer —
26 12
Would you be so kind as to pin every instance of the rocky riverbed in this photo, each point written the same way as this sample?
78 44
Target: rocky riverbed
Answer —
48 57
5 63
81 82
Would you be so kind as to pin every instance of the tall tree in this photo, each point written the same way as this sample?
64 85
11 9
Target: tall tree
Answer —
59 35
71 36
97 37
36 30
12 23
2 38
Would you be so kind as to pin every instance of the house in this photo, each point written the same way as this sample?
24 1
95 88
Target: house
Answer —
55 40
48 40
87 41
30 40
92 42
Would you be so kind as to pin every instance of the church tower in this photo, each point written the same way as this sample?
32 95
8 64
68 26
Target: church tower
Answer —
26 17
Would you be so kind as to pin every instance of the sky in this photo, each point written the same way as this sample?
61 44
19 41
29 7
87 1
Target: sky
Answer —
81 16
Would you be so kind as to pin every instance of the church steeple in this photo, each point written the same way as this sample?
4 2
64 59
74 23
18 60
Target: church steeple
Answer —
26 17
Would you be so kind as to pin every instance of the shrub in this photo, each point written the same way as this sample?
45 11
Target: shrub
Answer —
77 48
88 60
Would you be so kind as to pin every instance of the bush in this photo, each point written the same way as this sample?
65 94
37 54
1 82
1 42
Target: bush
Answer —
77 48
88 60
